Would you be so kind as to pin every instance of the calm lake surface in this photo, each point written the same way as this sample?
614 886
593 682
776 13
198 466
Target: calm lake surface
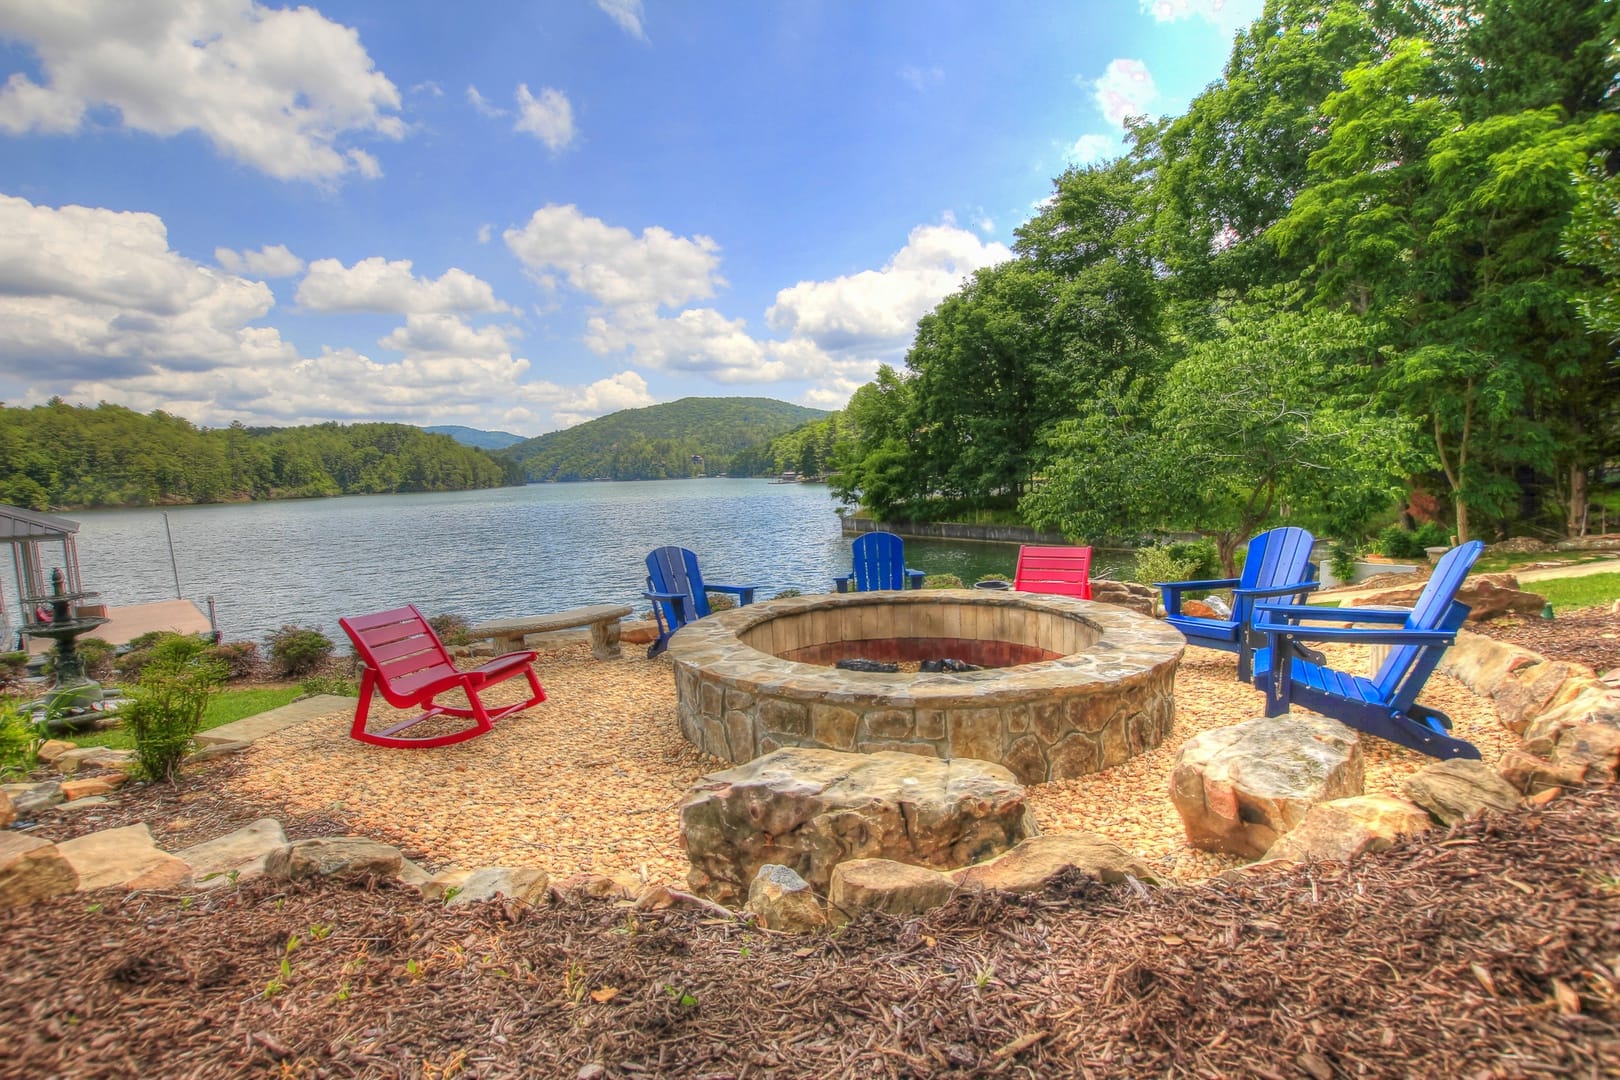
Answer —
481 554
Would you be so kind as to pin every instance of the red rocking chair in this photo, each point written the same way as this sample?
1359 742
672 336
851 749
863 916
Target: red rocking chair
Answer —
405 659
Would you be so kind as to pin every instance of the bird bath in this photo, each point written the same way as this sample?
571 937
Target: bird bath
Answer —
73 687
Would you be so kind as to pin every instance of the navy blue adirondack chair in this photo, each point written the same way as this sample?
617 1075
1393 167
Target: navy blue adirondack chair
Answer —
1386 704
679 593
1278 564
880 563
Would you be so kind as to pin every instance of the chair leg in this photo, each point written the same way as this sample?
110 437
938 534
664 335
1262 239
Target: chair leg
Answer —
368 684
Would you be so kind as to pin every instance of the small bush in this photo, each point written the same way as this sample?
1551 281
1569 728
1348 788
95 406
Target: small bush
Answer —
942 581
1343 561
785 593
1159 563
169 701
328 684
19 741
97 657
239 658
299 651
719 601
1432 534
452 629
1202 558
994 577
1397 543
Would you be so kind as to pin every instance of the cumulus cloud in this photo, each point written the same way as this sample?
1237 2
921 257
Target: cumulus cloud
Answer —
272 260
482 104
627 13
1125 89
378 284
98 293
284 90
1092 148
922 79
624 390
614 266
881 307
1225 14
548 117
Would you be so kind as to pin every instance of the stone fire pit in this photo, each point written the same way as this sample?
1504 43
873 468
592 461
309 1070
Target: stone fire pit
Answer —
1070 686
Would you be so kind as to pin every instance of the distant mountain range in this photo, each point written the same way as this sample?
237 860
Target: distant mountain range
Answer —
694 436
483 440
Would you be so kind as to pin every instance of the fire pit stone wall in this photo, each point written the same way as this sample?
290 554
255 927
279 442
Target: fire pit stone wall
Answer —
1101 692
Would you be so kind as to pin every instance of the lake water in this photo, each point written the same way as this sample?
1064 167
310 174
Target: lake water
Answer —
481 554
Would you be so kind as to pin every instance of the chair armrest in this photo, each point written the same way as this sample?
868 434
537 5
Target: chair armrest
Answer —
675 599
1350 636
1323 614
743 593
914 578
1278 590
1182 586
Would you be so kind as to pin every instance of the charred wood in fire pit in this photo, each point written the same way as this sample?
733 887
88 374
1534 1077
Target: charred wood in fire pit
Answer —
948 664
859 664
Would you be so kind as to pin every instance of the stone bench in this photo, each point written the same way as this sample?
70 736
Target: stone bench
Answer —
603 619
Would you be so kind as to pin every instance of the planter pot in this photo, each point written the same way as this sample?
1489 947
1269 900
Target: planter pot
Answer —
1435 553
993 585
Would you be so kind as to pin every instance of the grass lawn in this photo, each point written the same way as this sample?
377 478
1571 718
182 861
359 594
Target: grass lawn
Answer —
229 705
1571 594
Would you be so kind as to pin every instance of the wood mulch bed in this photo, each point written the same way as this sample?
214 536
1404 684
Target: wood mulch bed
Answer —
1490 951
1589 636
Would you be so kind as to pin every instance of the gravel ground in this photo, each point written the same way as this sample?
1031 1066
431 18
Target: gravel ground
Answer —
590 779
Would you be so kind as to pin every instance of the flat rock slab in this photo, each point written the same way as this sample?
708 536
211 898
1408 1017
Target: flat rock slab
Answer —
1459 788
811 809
258 726
1344 829
31 870
1238 788
1037 860
242 851
344 858
123 858
885 885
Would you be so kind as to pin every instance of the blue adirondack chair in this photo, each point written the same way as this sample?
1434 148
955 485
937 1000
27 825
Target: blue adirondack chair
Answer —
1386 704
880 563
679 593
1278 564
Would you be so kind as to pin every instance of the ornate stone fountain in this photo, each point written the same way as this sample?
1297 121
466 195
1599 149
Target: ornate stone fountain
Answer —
73 688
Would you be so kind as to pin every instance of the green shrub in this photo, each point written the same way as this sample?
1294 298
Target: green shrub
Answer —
19 740
328 684
1342 561
452 629
994 577
1398 543
1202 558
97 657
785 593
299 651
13 667
240 659
169 699
1432 534
1159 563
719 601
941 581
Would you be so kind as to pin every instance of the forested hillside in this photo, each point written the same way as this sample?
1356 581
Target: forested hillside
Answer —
1371 271
484 440
681 438
68 456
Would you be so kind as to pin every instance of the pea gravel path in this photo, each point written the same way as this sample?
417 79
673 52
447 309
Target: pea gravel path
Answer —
589 781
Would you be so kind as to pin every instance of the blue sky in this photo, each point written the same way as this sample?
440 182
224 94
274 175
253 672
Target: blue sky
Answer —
523 216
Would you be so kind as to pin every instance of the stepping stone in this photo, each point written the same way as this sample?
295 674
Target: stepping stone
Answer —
30 799
258 726
31 870
243 851
123 858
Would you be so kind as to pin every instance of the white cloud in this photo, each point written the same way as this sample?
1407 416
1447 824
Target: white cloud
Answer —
283 90
272 260
624 390
881 307
1125 89
98 294
1225 14
922 79
627 13
482 104
484 233
377 284
698 341
612 265
1092 148
548 118
442 336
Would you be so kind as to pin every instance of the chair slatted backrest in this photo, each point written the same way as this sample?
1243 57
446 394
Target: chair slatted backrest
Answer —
401 647
1058 571
675 570
1277 557
880 561
1407 667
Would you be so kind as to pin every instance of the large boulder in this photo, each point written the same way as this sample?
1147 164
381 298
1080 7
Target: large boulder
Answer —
1488 596
31 870
1345 828
126 858
1239 788
810 809
341 857
1034 862
885 885
1459 788
1142 599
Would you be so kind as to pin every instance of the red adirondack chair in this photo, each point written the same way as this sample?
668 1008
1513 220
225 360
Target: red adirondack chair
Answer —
1063 571
404 658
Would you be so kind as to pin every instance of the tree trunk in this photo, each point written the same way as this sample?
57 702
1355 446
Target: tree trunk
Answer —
1575 525
1462 520
1226 545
